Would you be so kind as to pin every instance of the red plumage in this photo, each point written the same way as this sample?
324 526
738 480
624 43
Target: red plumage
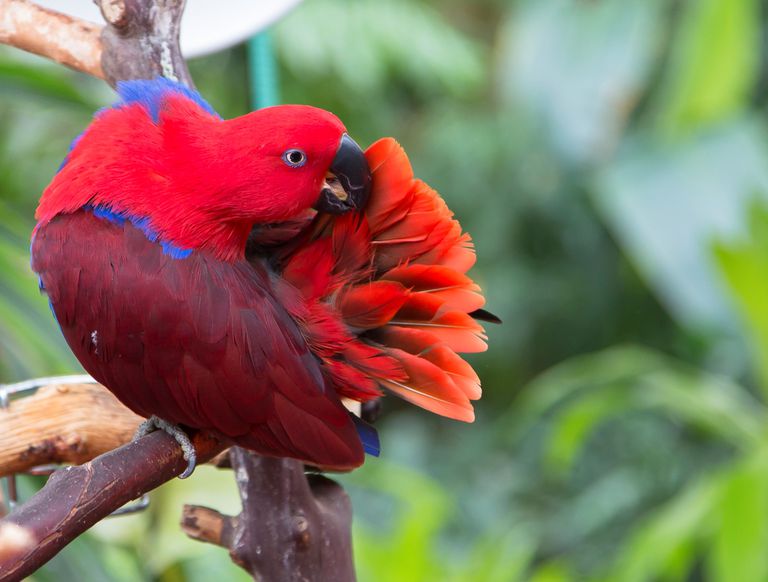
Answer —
201 181
398 284
200 342
141 247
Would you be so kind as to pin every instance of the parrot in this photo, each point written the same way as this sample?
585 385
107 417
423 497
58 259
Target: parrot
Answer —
253 277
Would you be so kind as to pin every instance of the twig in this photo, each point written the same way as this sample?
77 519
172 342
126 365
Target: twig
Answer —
76 498
292 527
70 41
62 424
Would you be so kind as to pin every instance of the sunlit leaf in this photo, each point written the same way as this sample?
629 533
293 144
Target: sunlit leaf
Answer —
741 530
714 63
743 260
551 572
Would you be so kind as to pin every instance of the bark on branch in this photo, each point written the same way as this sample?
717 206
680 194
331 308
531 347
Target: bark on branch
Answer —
139 41
303 522
68 423
76 498
70 41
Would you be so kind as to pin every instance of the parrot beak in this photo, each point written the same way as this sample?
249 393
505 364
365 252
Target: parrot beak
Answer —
348 181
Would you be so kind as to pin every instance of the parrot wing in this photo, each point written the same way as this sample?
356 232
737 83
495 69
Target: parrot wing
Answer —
394 278
193 340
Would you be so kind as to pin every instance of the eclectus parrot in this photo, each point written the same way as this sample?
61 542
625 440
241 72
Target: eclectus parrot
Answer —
245 276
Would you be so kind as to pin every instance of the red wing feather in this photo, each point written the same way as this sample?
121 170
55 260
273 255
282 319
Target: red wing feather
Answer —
195 341
457 329
423 231
392 178
455 290
429 387
372 305
351 239
310 269
427 345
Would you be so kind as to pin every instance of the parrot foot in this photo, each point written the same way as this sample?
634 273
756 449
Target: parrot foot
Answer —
154 423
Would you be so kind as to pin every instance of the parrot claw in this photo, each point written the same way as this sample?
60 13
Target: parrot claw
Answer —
154 423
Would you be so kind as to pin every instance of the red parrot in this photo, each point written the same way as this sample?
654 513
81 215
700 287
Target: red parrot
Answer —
244 276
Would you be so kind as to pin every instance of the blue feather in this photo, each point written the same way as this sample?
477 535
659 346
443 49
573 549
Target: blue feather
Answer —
368 436
107 214
175 252
151 95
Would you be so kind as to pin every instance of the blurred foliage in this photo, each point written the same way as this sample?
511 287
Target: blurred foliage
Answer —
610 159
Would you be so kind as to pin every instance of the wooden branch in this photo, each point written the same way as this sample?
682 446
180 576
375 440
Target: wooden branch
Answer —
292 527
70 41
290 523
76 498
208 525
141 40
62 424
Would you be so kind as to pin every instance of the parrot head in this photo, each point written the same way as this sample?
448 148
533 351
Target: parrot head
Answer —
163 159
294 157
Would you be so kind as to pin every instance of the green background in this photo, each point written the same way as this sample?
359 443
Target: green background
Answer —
610 158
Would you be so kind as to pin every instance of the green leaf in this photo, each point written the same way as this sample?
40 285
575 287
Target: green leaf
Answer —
501 556
741 531
33 77
743 262
405 552
665 203
723 512
365 45
665 543
551 572
584 392
714 63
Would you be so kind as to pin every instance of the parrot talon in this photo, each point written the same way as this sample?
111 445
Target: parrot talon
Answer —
154 423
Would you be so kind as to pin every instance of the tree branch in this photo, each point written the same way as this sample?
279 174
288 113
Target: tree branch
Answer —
69 423
292 527
76 498
141 40
70 41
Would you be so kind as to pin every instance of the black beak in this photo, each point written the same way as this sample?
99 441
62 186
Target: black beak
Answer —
350 169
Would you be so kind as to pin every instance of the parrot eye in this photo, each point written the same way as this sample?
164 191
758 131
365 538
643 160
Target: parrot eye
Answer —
294 158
